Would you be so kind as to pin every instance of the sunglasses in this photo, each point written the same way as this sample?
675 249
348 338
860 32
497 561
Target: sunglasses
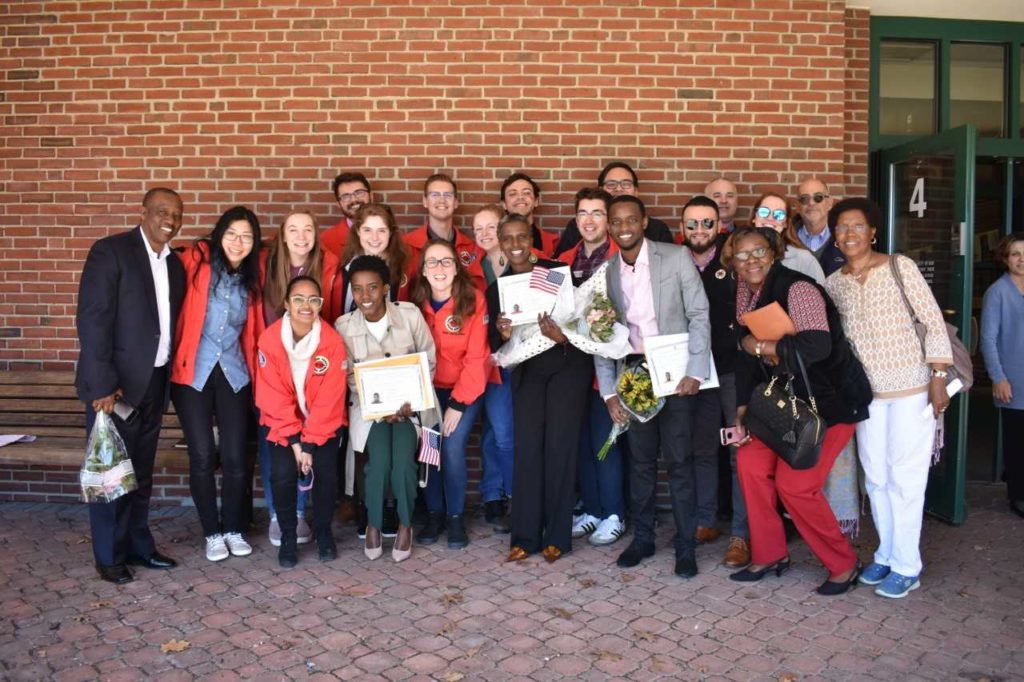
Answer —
313 301
774 214
694 224
744 256
818 197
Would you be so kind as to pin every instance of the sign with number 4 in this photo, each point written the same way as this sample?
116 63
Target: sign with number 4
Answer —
917 202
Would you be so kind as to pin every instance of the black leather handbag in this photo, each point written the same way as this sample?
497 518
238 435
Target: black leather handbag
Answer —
787 424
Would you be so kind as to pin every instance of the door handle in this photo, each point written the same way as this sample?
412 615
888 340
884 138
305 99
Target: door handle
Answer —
948 312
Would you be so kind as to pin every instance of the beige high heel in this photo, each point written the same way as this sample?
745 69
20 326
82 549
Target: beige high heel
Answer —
370 551
397 554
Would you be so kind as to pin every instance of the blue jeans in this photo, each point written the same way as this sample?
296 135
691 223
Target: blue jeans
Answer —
497 440
600 481
446 491
268 495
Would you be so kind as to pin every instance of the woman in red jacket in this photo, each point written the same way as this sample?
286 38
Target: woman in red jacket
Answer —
296 251
456 315
210 376
300 393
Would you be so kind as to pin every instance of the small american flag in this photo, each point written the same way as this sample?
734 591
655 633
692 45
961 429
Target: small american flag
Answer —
546 280
430 447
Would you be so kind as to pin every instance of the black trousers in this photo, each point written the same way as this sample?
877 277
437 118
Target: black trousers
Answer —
121 528
196 412
1013 452
284 479
670 433
548 401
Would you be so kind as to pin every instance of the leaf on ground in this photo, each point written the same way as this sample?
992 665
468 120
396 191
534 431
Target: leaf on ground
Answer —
646 636
587 582
81 618
451 598
605 655
561 613
175 645
446 629
358 591
788 677
84 539
100 604
470 653
626 577
660 667
751 595
453 676
964 593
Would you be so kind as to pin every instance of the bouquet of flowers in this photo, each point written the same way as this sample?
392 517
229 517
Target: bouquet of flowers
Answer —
636 394
600 318
107 473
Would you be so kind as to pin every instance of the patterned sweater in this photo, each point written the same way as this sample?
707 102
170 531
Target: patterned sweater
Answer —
881 330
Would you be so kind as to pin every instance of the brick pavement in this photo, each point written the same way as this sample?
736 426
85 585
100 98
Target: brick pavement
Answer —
453 615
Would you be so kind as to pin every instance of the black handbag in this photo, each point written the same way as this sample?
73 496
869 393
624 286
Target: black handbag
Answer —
786 423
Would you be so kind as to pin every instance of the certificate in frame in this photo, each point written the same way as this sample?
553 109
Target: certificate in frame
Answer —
521 303
386 384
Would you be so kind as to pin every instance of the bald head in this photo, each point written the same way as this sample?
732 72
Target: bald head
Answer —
723 192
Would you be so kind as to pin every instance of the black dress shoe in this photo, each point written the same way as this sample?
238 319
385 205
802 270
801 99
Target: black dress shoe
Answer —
432 530
832 588
748 576
634 554
1017 507
686 566
494 515
326 549
288 554
119 574
155 560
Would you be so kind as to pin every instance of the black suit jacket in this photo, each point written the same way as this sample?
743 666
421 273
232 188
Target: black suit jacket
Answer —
117 318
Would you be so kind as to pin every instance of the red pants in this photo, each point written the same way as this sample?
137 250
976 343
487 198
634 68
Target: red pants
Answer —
764 478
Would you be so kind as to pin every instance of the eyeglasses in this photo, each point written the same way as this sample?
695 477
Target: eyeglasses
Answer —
859 228
435 196
818 197
358 194
632 221
613 185
744 256
446 262
595 214
299 300
774 214
243 237
694 224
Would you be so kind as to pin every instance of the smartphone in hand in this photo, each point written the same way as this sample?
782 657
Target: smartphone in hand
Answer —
732 434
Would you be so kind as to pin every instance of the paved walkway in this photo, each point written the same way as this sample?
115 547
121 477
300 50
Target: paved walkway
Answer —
454 615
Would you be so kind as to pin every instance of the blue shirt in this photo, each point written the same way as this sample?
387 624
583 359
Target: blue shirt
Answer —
1002 337
814 242
226 308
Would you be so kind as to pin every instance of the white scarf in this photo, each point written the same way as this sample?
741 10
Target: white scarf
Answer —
299 355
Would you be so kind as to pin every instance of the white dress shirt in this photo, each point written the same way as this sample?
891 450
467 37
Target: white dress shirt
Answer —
158 264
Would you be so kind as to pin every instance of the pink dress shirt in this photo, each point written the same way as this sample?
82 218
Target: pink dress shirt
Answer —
639 299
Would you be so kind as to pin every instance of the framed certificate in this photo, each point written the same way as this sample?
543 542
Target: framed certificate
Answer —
523 297
386 384
667 357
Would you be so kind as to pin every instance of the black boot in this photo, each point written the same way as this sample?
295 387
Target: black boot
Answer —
494 514
457 538
326 549
429 534
288 554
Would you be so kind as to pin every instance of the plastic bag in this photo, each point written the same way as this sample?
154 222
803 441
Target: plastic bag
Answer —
107 472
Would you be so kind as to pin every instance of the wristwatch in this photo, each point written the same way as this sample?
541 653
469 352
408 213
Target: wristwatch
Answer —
940 373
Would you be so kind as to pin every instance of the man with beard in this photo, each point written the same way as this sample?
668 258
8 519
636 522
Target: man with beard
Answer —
715 407
352 192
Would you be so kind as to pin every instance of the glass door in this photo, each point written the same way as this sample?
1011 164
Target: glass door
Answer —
928 191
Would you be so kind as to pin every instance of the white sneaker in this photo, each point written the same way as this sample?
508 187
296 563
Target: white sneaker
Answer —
584 524
608 531
303 534
216 550
237 544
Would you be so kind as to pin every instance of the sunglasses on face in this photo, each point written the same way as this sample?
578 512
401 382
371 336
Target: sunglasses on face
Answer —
744 256
299 300
705 223
774 214
817 197
446 262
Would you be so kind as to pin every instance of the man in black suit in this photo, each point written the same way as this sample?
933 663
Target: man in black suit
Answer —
129 296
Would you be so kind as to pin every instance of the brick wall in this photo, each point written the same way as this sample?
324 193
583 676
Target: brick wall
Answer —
263 103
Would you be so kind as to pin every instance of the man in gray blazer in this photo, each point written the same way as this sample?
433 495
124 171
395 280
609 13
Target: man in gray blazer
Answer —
656 290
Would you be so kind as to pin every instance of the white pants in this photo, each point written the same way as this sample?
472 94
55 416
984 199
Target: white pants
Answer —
895 447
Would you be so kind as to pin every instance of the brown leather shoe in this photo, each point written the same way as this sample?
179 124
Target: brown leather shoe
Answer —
551 554
705 535
738 554
517 554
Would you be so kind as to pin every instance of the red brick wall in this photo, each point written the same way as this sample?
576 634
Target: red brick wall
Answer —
263 105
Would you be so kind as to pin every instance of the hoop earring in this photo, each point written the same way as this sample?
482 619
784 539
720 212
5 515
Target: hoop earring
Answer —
836 244
533 257
874 240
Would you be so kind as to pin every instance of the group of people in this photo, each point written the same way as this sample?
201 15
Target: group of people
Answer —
241 322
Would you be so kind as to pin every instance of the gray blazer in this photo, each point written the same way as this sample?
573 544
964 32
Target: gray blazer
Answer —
680 306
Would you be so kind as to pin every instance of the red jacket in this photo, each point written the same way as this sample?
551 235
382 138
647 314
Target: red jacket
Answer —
334 238
325 389
330 286
463 354
548 240
465 248
189 328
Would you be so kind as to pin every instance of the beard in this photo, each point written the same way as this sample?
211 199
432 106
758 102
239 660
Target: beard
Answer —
700 249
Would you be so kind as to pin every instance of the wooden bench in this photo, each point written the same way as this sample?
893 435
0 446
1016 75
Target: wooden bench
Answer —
45 405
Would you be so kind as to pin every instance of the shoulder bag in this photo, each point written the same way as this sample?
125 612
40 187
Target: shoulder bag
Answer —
786 423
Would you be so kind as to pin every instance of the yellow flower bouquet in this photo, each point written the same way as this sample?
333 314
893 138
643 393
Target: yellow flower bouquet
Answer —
636 394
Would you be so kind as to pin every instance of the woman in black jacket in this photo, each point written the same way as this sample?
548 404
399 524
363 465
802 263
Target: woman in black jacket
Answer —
841 392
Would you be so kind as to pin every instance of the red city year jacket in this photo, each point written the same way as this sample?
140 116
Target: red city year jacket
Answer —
325 389
465 248
189 328
463 354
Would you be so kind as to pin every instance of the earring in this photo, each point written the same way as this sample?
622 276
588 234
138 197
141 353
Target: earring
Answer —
501 261
874 240
533 257
836 244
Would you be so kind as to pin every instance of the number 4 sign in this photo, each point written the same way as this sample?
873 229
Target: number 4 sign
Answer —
917 202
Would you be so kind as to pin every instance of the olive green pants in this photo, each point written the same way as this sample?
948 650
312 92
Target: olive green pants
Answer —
391 458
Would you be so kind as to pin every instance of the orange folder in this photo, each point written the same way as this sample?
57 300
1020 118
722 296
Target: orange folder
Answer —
769 323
